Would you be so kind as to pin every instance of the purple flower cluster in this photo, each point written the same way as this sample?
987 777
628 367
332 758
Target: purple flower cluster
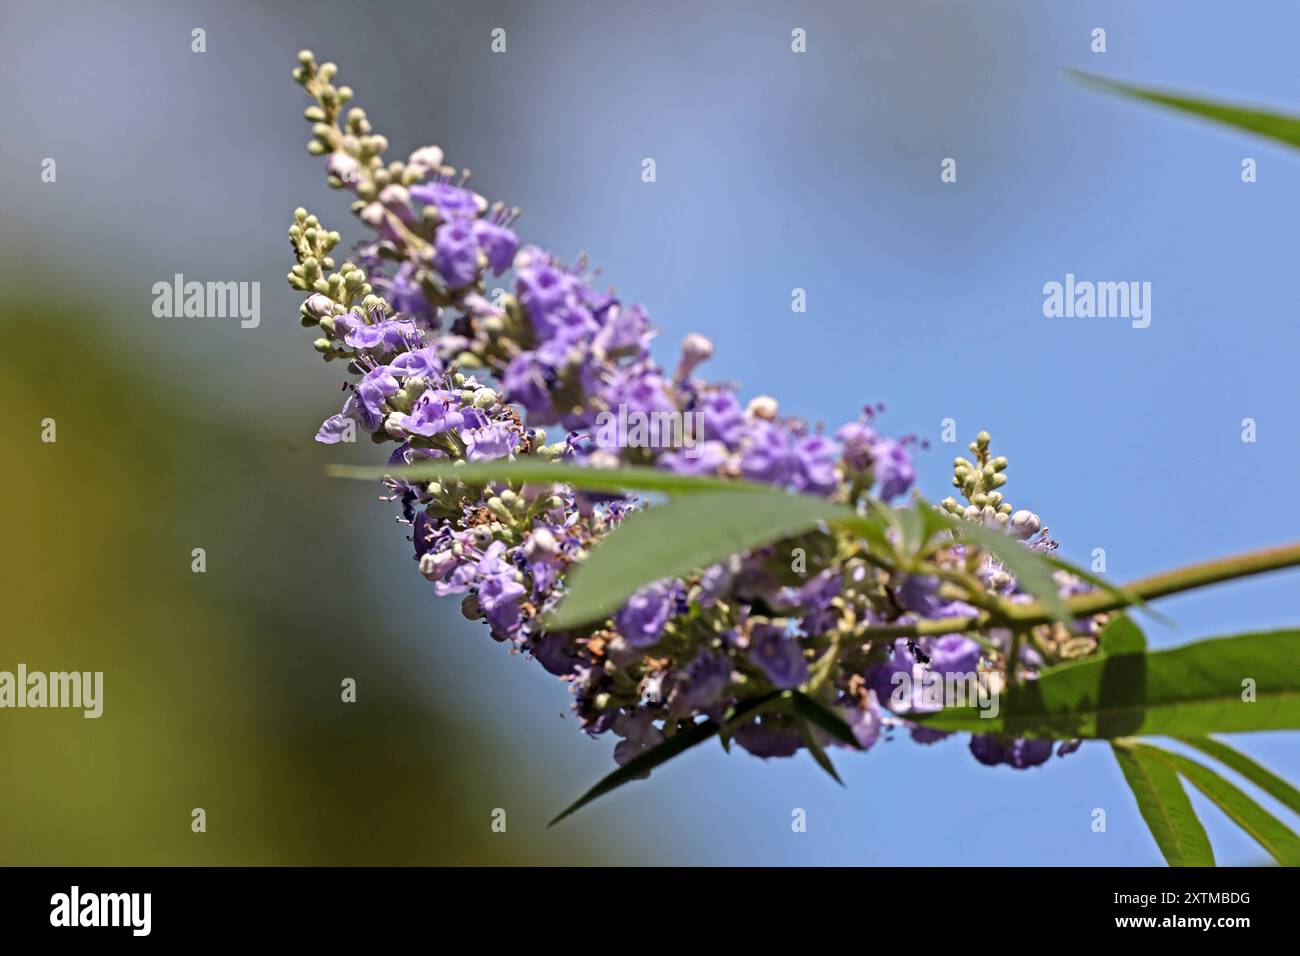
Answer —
446 368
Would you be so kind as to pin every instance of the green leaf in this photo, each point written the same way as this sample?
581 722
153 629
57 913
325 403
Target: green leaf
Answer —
536 471
1263 827
1277 126
685 534
678 743
1164 806
1261 777
1186 691
918 525
824 717
818 754
1122 636
1031 569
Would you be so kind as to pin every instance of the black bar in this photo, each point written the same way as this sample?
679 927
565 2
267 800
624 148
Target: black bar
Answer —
335 905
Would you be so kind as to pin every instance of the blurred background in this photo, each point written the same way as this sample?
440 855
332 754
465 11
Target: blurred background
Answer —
775 171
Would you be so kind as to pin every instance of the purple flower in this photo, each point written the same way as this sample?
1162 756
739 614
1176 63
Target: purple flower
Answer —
499 597
1028 753
988 749
375 386
496 440
498 243
337 427
625 328
723 418
642 619
365 406
894 470
421 363
386 337
555 654
769 736
703 682
858 440
642 391
553 298
452 202
499 589
815 458
954 654
919 593
1020 753
865 722
779 657
435 411
424 532
456 257
926 735
528 380
767 455
704 458
639 735
814 598
405 295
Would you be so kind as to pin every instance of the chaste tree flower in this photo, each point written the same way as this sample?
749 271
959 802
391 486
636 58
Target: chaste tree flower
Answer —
442 366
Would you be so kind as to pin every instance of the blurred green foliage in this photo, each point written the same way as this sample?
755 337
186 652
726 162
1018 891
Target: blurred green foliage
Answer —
222 689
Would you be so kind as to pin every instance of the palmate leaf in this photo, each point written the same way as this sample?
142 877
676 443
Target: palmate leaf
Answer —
685 534
1263 827
1261 777
1281 127
1192 690
1164 806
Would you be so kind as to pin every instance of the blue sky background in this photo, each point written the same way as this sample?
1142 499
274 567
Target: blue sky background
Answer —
775 171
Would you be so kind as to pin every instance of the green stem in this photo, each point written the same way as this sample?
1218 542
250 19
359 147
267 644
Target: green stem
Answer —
1099 602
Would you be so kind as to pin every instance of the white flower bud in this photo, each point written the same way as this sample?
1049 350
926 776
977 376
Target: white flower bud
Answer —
318 306
397 200
343 167
540 542
426 159
762 406
696 349
1024 524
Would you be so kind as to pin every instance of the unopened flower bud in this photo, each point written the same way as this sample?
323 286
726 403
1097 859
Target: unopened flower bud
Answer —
498 508
762 406
397 200
540 543
426 159
695 350
344 168
317 306
1024 524
436 564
